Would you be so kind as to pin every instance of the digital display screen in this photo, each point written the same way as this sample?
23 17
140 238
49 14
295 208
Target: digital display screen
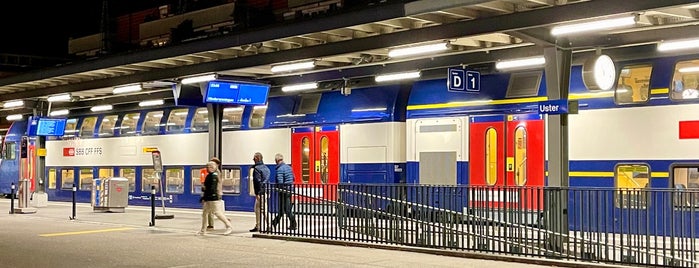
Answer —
46 126
226 92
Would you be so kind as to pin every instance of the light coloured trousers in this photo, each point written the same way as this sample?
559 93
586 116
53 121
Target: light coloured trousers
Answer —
260 209
215 208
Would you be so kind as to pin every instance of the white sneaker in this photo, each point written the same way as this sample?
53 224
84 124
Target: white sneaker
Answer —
201 232
228 231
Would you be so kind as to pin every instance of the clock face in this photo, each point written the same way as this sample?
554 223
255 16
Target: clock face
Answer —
604 72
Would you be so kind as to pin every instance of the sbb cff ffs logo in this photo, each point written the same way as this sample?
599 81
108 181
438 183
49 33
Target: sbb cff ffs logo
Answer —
70 151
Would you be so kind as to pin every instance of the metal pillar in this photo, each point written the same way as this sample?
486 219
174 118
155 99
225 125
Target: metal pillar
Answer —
558 65
215 114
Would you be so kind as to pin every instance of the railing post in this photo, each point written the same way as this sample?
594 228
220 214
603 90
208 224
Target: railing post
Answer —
152 206
12 198
73 190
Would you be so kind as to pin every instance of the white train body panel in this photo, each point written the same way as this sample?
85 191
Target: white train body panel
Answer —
372 143
437 135
238 147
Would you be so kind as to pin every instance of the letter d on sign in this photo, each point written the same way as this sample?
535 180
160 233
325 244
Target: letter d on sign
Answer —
456 80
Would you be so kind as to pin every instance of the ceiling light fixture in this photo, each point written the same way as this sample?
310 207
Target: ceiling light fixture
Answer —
299 87
150 103
127 89
594 25
14 117
397 76
198 79
101 108
520 63
400 52
13 104
59 112
59 98
293 66
678 45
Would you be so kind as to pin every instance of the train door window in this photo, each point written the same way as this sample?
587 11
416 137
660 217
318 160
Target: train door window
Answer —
520 156
685 81
148 179
106 128
305 160
685 180
196 180
86 177
87 129
232 117
129 174
52 178
631 182
71 125
67 179
128 124
257 119
10 152
231 181
200 122
324 160
105 172
491 156
174 180
176 120
633 85
151 124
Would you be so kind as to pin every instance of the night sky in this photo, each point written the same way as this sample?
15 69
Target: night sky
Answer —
42 28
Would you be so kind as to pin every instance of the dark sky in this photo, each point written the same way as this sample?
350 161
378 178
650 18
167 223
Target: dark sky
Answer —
43 27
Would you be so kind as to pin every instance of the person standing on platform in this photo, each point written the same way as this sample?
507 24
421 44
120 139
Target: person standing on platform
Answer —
211 199
285 188
210 217
260 176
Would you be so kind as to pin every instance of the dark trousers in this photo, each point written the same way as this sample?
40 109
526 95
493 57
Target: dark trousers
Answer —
284 208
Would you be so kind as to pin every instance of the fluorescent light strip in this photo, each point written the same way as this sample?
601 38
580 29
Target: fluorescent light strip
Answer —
14 117
299 87
293 66
517 63
397 76
57 98
689 69
13 104
150 103
197 79
593 26
400 52
59 112
678 45
127 89
101 108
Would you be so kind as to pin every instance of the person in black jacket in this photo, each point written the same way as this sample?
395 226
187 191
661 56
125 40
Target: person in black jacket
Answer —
260 176
211 199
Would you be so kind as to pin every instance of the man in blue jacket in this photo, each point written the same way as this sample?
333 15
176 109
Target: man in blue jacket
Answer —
285 187
260 176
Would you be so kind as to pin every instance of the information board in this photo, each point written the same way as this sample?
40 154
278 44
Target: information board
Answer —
39 126
227 92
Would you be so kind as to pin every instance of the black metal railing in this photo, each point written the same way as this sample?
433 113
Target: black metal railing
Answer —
631 226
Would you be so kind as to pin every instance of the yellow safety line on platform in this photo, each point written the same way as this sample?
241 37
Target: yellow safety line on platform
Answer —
87 232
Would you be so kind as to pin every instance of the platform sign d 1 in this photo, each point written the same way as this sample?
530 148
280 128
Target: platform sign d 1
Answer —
460 80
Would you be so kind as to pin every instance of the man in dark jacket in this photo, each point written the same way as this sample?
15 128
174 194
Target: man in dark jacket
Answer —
260 175
211 199
285 188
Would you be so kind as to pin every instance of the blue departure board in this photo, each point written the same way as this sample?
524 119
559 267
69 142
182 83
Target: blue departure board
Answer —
46 127
227 92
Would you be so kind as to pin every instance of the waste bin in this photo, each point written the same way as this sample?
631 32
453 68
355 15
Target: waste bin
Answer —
110 194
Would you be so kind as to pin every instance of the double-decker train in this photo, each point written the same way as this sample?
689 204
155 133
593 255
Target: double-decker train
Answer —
644 134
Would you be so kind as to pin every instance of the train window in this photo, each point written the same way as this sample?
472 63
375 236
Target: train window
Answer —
71 125
231 181
128 124
87 129
107 126
305 160
67 179
491 156
257 119
196 180
105 172
151 125
520 156
685 81
200 122
324 159
10 151
232 117
685 180
86 177
149 178
174 180
631 182
633 85
175 122
130 174
52 178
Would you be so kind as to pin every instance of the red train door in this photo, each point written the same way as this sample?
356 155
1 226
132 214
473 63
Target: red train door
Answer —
506 160
316 160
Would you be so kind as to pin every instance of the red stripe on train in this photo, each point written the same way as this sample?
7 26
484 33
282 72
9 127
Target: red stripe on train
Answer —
689 129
